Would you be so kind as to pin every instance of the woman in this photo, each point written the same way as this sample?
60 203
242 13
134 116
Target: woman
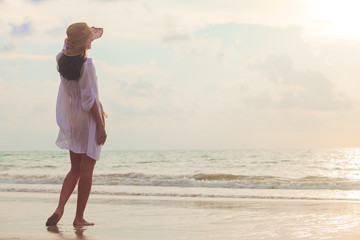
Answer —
80 117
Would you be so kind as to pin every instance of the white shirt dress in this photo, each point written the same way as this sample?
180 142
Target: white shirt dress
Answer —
77 126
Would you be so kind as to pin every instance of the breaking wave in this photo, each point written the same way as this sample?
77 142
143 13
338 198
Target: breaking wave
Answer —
204 180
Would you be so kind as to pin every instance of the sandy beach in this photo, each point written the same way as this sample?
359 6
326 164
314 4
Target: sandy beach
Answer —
23 216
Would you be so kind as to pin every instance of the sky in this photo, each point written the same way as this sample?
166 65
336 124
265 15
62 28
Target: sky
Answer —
180 74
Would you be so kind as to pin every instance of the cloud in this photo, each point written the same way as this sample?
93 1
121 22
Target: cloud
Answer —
140 88
8 47
137 70
24 104
26 56
255 39
56 32
21 30
176 38
36 1
142 85
3 117
291 88
230 42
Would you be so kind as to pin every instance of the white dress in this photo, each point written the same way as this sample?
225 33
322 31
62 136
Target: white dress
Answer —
77 126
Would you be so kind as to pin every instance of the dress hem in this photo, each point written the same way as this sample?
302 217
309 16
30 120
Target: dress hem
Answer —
67 148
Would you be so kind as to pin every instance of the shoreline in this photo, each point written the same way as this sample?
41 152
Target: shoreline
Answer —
147 217
195 192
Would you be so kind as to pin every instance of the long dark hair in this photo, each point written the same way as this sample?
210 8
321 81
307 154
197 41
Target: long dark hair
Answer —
70 66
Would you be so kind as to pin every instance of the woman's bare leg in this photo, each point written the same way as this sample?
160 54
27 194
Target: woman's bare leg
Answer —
84 188
67 188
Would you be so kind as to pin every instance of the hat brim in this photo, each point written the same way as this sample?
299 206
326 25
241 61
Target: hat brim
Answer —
96 33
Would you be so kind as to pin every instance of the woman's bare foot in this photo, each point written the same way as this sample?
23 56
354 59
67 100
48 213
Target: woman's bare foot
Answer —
82 222
55 218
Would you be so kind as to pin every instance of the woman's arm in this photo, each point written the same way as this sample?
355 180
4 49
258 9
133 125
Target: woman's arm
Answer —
103 114
101 133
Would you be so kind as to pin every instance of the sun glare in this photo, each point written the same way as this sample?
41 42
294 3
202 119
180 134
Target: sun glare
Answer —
338 18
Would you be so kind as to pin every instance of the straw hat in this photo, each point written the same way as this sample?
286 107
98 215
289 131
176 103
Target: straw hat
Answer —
79 36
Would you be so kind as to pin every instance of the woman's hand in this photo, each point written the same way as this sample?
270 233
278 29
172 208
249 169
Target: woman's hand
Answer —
101 135
68 44
100 126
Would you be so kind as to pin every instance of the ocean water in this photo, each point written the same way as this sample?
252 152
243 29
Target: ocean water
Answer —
323 174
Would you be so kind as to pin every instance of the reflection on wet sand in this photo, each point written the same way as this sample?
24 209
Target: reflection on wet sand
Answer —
54 229
78 230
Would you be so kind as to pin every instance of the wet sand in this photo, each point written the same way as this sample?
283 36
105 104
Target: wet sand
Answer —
23 216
